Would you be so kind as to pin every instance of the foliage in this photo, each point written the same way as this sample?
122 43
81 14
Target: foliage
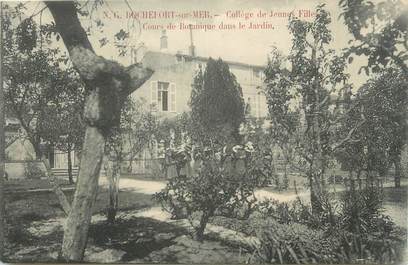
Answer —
361 211
380 32
381 102
295 243
299 99
285 213
218 182
216 101
41 90
134 133
62 120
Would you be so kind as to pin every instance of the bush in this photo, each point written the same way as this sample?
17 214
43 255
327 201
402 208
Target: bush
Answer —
366 233
360 233
221 182
286 213
361 210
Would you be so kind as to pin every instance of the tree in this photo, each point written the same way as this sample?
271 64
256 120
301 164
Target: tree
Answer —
2 143
316 73
380 32
216 101
33 77
136 131
142 127
107 84
384 104
220 173
285 119
62 123
33 81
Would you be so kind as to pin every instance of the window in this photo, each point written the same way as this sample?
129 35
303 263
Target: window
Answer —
163 96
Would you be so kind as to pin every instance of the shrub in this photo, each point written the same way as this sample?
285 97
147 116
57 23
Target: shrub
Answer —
294 243
361 210
221 182
285 213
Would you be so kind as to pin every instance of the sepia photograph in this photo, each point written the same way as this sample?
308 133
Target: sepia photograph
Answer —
204 131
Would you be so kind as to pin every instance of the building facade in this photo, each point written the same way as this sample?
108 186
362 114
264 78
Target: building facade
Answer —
168 90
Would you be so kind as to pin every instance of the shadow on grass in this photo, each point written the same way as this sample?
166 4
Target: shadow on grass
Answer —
138 236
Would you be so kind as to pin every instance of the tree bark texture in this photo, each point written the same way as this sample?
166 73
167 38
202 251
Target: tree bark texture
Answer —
107 84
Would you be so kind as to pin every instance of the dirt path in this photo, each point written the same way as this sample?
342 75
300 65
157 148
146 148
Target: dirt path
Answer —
397 213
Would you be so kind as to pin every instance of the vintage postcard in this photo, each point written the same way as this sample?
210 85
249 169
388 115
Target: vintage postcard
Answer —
236 131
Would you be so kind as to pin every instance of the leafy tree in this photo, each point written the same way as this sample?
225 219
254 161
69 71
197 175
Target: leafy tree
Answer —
107 85
285 119
142 127
62 121
136 132
381 102
384 104
216 101
215 174
33 77
316 72
380 32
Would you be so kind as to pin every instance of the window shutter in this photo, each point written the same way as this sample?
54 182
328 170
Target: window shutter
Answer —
153 95
172 97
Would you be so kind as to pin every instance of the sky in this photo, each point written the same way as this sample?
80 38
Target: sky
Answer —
242 45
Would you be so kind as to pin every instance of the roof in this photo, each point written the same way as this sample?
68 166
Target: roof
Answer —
205 59
155 60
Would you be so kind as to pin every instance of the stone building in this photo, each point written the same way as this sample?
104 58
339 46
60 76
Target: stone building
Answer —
168 91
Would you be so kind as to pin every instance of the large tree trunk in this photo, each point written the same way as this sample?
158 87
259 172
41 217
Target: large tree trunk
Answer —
70 178
107 84
77 224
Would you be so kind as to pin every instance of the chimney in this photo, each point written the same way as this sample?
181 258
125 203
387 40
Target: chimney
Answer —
163 41
191 49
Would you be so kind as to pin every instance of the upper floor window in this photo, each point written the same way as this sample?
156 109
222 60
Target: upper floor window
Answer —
163 96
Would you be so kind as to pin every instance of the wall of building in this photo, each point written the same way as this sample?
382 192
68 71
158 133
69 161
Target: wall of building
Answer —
179 72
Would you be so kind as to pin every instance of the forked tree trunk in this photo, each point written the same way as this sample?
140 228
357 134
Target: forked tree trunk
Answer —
107 84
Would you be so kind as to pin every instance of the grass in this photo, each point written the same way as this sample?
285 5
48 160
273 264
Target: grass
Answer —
135 236
23 208
18 185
